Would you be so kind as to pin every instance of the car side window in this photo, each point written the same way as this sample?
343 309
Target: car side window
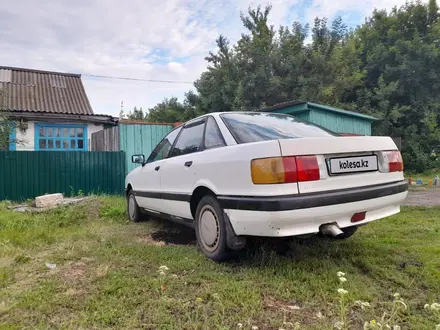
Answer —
163 148
213 136
189 140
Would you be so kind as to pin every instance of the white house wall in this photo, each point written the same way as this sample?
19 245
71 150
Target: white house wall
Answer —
93 128
27 138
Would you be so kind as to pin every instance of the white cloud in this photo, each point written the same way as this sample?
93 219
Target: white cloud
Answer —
176 67
147 39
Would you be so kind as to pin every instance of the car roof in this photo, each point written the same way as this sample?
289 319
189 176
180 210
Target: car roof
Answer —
216 114
228 112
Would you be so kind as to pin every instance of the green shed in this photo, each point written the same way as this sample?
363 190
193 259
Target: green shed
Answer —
336 120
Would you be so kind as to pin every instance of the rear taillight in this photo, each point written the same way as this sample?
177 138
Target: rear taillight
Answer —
284 169
290 169
267 170
308 168
393 161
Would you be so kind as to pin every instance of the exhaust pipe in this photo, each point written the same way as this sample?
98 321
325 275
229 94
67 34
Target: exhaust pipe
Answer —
331 229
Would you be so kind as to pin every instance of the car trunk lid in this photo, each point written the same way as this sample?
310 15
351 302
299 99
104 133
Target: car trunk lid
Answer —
344 162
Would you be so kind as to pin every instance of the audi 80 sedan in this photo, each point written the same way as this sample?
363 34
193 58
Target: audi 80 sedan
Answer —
237 174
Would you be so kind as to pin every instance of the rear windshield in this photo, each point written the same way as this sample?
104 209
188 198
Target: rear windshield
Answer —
257 126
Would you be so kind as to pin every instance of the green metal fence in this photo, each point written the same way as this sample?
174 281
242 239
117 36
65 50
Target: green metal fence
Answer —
141 139
131 137
27 174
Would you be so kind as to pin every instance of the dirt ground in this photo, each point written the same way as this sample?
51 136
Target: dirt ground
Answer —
429 197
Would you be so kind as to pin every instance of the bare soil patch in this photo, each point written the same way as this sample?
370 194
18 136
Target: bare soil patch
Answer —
423 198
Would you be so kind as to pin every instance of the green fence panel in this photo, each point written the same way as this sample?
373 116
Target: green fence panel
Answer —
141 139
27 174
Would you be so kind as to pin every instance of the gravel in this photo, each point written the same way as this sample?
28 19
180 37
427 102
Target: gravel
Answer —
429 197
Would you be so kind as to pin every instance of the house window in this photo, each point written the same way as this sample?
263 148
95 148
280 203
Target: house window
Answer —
49 137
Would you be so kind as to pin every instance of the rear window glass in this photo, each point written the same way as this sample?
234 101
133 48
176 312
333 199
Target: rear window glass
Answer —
257 126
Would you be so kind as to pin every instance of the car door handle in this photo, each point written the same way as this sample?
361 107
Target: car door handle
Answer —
189 163
157 168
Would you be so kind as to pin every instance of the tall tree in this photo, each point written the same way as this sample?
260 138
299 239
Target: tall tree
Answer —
402 59
4 133
217 86
7 125
136 114
169 110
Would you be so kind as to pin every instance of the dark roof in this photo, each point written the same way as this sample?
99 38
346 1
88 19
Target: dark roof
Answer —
43 92
310 106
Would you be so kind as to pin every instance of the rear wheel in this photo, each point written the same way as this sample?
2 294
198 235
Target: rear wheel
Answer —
211 229
133 210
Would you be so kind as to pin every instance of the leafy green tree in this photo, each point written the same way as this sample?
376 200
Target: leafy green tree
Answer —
136 114
4 134
217 86
5 124
402 59
169 110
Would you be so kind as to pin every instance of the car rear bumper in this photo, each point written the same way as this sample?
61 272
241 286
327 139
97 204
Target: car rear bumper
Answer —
304 201
305 213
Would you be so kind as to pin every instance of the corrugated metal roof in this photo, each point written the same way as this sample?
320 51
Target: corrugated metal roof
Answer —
318 106
44 91
343 112
281 105
5 75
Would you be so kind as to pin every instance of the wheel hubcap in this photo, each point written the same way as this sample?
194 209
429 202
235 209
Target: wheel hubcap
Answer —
209 228
131 207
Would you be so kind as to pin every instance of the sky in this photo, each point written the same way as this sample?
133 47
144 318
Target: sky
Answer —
144 39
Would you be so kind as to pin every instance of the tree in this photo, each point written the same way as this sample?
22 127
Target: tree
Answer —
401 56
169 110
4 133
5 125
136 114
217 86
8 125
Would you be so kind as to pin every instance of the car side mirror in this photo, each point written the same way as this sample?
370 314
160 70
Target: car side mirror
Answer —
138 159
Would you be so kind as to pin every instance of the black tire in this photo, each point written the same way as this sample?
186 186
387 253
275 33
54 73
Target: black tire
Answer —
214 244
348 232
133 210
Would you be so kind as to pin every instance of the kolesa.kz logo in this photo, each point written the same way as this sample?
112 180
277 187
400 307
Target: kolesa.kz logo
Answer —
348 164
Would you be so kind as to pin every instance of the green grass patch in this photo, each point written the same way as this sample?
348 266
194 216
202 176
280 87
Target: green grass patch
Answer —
108 275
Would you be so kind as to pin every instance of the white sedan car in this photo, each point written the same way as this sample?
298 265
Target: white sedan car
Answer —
237 174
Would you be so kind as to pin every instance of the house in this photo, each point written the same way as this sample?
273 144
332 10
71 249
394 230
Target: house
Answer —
334 119
49 110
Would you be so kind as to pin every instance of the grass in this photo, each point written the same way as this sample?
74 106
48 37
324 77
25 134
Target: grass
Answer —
107 274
